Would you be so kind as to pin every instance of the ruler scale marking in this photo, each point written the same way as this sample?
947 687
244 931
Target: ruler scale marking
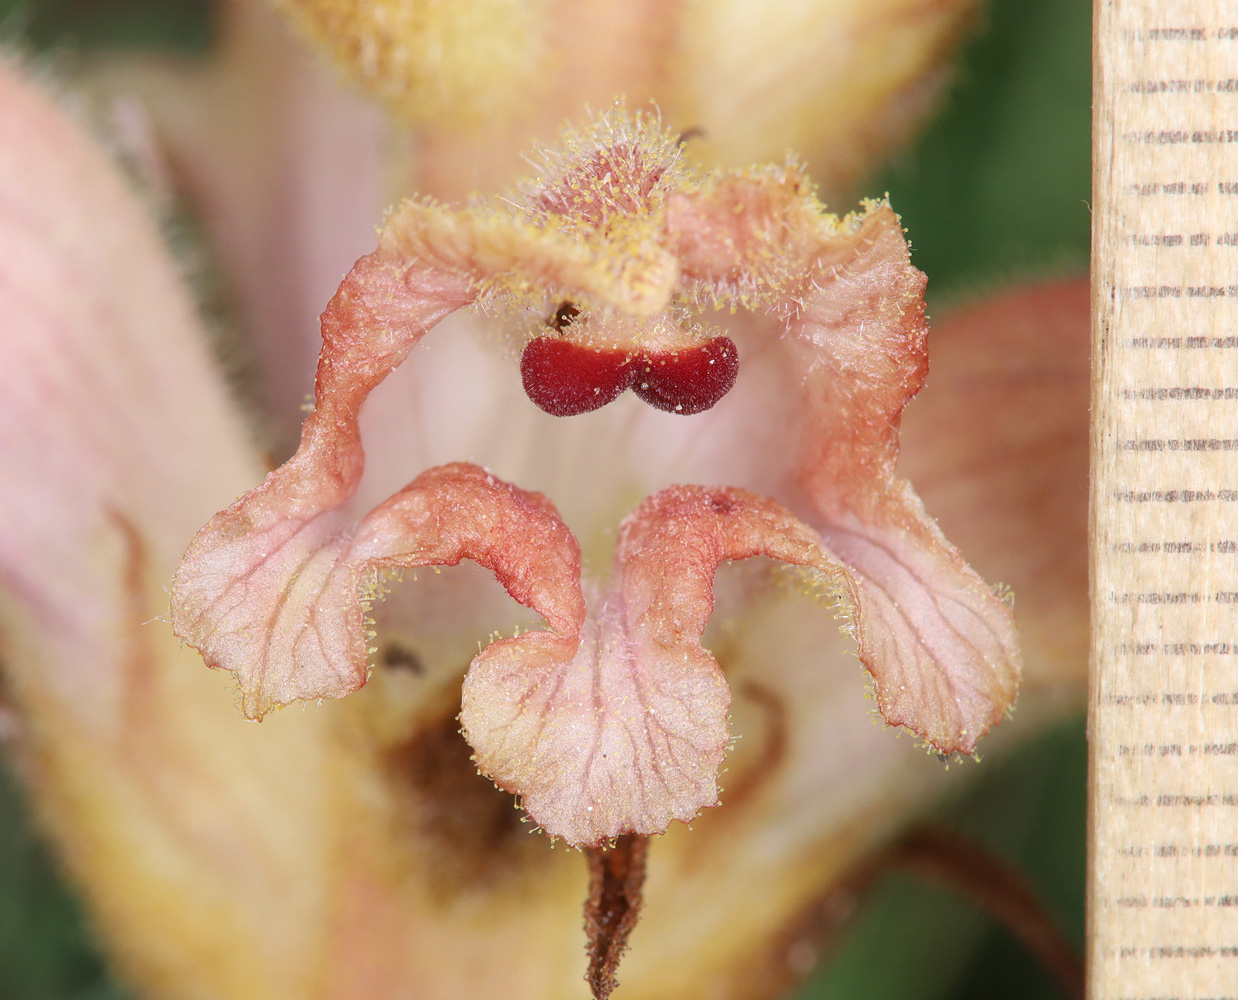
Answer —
1163 851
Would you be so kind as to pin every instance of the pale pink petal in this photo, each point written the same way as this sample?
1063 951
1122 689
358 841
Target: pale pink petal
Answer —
257 592
939 642
628 734
254 578
997 445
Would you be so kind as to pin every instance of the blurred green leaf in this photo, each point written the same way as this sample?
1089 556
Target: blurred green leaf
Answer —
45 951
914 941
997 190
134 24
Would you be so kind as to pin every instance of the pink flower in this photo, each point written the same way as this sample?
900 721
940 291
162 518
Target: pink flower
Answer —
615 720
351 851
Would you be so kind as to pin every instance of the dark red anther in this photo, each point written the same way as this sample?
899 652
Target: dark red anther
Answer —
688 381
565 378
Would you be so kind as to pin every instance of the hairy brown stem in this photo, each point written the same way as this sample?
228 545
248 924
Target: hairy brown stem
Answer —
616 878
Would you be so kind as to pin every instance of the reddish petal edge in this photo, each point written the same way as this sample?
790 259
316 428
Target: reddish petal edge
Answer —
940 643
999 445
288 608
255 577
626 733
460 511
259 580
252 581
269 587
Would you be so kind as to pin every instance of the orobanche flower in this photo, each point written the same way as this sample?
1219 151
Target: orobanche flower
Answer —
615 720
639 376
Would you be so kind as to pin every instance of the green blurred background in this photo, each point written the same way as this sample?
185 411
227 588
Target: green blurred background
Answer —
995 191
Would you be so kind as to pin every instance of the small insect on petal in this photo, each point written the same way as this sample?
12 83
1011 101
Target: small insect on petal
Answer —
688 381
565 379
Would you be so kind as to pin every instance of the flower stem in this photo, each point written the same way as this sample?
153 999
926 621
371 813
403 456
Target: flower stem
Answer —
616 878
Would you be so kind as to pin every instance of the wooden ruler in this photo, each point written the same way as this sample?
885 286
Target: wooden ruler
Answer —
1163 881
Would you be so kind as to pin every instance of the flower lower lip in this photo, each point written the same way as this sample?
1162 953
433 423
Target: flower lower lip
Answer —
565 378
